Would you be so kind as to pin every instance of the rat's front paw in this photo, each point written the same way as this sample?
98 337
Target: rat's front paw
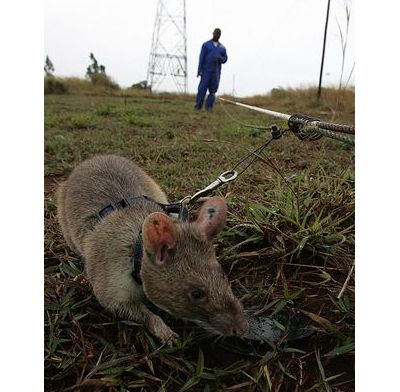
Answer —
168 336
161 331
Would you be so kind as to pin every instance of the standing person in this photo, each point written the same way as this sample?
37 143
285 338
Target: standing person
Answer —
212 55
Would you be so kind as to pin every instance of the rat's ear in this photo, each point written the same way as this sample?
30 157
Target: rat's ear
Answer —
159 235
212 217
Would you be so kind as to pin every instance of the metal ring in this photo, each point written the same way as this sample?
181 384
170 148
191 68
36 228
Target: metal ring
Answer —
233 174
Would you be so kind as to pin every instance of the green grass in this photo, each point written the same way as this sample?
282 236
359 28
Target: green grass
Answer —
288 245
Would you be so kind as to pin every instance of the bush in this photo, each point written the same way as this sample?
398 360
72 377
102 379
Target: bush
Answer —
278 92
76 85
53 85
104 80
143 85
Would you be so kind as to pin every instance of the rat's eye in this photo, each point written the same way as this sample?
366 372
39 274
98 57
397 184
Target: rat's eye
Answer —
198 295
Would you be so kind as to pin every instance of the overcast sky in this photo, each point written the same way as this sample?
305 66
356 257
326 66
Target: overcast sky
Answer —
270 43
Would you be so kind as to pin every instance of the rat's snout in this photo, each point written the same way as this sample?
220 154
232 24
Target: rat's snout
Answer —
230 324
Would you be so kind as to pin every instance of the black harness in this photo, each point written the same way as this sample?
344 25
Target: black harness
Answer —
137 248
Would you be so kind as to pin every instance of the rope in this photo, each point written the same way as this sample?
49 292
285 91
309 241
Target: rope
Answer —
306 127
242 123
333 135
266 111
336 127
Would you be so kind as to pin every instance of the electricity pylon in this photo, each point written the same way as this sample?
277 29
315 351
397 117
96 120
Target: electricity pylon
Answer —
168 54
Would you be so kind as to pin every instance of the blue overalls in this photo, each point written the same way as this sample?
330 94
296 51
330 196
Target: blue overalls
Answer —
210 72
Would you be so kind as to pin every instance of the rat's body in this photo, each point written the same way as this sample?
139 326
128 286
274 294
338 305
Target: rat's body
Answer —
179 271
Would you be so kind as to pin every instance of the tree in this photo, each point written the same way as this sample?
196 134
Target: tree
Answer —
97 74
48 67
94 68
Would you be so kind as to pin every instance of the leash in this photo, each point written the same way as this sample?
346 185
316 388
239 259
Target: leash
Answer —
233 173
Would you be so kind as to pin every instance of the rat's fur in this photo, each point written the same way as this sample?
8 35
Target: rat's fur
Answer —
178 257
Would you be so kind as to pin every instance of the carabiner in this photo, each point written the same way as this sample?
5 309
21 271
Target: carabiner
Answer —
225 177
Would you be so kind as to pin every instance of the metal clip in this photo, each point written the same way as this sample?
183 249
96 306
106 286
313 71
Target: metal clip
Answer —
225 177
275 132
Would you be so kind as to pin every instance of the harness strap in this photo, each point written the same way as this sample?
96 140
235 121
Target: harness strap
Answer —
172 208
137 259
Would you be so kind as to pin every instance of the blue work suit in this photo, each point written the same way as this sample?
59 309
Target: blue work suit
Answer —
210 71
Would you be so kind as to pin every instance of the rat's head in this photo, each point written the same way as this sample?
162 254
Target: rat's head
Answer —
181 274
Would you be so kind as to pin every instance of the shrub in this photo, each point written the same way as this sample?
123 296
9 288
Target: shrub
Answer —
104 80
143 85
53 85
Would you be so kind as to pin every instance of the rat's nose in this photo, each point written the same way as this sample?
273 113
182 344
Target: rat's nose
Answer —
241 327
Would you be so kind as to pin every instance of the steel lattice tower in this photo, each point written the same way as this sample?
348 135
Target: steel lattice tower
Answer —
168 54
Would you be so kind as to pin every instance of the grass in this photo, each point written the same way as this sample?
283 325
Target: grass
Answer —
288 246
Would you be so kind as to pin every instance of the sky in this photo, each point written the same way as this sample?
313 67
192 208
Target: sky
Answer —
270 44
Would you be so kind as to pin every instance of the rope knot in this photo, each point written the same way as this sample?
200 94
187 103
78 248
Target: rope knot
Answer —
298 125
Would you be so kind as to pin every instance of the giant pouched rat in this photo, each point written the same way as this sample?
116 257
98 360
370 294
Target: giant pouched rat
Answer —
179 272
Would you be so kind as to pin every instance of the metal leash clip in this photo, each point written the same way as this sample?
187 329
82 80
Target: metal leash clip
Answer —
225 177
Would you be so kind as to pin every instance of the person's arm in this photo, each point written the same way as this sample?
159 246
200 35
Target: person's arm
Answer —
224 56
201 60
